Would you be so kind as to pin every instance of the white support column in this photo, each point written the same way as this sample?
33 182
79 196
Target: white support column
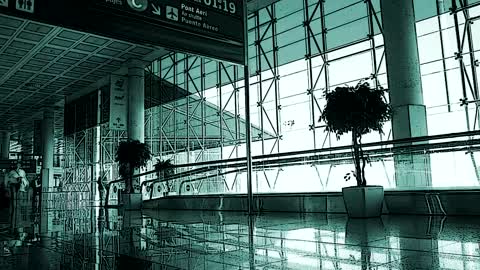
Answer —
47 132
136 100
5 144
136 106
47 151
97 190
403 67
405 85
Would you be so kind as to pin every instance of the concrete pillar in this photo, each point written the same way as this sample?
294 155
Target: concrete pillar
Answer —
5 144
5 151
47 140
136 100
405 85
136 106
403 67
47 150
97 190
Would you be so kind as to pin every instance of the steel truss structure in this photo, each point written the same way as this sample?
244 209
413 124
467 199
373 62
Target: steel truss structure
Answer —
79 161
197 114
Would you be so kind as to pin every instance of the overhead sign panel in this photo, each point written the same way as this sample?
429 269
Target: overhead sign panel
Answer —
25 5
212 28
221 19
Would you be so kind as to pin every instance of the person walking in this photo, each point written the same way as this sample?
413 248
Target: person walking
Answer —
4 192
101 189
18 183
18 177
36 187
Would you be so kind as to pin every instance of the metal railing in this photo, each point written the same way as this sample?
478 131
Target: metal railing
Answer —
468 142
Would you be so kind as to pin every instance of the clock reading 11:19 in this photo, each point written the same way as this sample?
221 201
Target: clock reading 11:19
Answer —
225 5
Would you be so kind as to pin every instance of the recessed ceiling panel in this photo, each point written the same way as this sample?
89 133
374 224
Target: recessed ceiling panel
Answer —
86 64
41 64
37 62
86 47
22 45
50 50
98 59
30 36
109 52
44 57
6 31
7 64
119 46
142 50
215 29
61 42
76 55
96 40
71 35
67 61
10 22
15 51
9 57
32 68
38 28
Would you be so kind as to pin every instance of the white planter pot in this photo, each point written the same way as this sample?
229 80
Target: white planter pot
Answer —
363 202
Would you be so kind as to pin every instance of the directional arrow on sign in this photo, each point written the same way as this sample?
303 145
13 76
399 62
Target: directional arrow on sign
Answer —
3 3
156 10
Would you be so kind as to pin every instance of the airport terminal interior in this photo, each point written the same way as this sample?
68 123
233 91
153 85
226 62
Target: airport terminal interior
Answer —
220 107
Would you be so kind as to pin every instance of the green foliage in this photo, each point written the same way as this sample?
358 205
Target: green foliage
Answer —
359 109
131 155
165 169
166 166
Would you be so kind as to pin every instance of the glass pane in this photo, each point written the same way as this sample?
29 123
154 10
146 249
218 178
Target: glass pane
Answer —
425 9
347 34
292 52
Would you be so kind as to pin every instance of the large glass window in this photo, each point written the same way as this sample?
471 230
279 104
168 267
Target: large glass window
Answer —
299 50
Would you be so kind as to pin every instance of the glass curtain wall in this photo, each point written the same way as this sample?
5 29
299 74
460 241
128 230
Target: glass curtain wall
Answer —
299 50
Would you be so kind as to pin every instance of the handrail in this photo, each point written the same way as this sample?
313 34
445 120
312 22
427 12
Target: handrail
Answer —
238 161
330 149
339 157
201 178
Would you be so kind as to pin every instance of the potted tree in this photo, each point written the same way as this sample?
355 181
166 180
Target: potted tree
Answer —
131 156
164 169
358 110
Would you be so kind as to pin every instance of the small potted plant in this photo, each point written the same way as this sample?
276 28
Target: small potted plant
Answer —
358 110
131 156
164 170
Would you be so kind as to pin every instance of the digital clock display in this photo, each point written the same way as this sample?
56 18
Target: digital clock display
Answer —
228 6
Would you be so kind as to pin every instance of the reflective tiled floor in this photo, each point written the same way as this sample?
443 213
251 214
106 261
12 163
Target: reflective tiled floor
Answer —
95 238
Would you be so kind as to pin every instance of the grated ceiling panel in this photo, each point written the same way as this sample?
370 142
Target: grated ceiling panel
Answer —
41 64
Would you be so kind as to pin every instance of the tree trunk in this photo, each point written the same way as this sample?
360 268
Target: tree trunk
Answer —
129 180
356 158
364 162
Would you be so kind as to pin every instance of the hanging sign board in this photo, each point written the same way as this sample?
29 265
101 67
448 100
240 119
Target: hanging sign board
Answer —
211 28
118 103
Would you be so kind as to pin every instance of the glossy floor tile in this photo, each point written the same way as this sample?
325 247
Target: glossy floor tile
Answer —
98 238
